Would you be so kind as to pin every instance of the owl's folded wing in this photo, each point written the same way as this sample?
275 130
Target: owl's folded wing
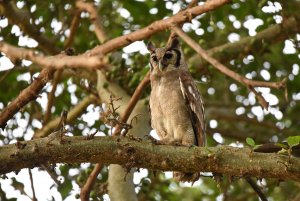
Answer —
195 106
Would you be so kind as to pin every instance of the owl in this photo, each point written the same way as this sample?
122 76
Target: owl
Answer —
176 105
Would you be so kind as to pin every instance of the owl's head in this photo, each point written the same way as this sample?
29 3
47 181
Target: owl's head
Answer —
166 58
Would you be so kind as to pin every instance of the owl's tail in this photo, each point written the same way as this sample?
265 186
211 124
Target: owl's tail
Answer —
186 177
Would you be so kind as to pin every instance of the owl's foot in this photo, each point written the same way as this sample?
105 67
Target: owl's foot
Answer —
170 141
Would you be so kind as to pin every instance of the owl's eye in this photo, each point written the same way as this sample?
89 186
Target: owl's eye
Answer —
168 55
154 58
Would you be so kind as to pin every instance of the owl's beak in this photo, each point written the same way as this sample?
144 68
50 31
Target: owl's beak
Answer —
161 66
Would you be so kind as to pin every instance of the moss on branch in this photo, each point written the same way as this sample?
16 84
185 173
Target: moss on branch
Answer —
136 153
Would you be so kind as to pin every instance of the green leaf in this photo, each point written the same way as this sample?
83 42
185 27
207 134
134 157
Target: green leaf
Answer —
250 141
293 140
65 188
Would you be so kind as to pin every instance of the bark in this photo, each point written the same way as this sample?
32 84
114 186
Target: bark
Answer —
131 153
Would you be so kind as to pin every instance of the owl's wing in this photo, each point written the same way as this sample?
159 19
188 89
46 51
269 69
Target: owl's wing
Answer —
194 103
149 110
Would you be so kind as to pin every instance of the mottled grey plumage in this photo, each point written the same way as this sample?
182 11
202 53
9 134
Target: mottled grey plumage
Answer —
177 112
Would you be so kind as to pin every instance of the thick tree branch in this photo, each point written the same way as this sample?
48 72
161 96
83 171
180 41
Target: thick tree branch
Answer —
136 153
93 58
157 26
59 61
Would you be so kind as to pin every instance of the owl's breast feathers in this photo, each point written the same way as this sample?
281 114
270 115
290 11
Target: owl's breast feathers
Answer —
177 108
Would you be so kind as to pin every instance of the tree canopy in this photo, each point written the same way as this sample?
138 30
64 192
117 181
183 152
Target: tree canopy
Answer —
74 94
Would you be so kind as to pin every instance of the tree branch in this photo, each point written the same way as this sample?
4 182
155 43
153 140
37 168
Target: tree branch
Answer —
136 153
95 18
28 94
157 26
93 58
250 44
57 75
86 188
59 61
21 18
73 28
223 69
32 185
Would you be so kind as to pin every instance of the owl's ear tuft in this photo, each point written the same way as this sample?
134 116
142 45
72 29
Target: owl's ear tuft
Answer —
151 47
174 43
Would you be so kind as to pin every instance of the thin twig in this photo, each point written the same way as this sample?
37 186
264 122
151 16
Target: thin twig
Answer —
216 64
86 189
73 27
51 96
95 18
5 74
51 173
261 100
58 73
32 186
256 189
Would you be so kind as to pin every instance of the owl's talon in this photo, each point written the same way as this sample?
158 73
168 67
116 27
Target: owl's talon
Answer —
176 143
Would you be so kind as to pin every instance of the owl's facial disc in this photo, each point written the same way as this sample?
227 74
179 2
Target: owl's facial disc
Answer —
164 59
